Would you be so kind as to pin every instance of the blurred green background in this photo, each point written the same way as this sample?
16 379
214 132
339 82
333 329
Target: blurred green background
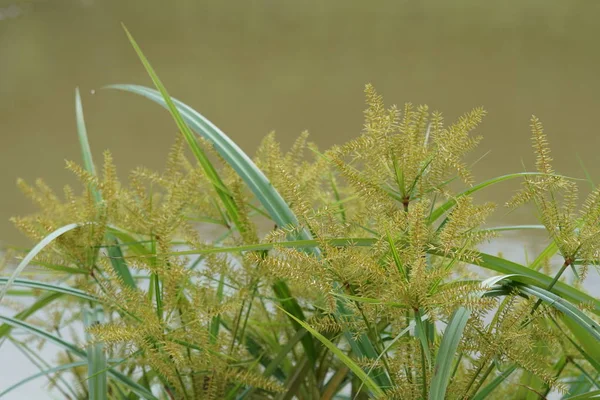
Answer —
259 65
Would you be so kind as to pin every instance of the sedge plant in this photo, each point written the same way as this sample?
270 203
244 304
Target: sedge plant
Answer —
347 273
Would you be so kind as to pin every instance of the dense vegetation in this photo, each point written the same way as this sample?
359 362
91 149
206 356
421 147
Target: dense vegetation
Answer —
346 273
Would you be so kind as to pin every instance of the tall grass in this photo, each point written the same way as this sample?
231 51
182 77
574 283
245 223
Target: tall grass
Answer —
363 289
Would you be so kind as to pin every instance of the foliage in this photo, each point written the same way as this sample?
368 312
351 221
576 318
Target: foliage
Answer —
306 274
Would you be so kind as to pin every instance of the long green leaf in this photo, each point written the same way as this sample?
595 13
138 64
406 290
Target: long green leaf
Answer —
231 153
589 345
360 374
548 252
568 309
86 152
442 372
291 307
529 276
51 287
97 385
445 356
488 261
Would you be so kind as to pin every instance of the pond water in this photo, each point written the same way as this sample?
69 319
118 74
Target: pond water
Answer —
259 65
262 65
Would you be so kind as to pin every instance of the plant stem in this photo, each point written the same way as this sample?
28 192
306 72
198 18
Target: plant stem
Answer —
562 269
561 368
484 377
474 378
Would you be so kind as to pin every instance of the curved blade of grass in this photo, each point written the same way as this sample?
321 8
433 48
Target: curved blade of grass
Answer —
513 228
297 244
51 287
442 372
568 309
133 386
589 356
40 374
529 276
488 261
291 307
62 268
34 252
44 335
421 333
118 261
86 152
445 356
360 374
262 188
589 345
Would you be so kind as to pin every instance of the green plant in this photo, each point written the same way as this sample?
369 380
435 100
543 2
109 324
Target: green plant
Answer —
369 286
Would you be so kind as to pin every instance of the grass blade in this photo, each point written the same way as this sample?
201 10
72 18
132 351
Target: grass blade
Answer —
97 385
51 287
34 252
589 345
86 152
360 374
529 276
568 309
445 357
442 372
258 183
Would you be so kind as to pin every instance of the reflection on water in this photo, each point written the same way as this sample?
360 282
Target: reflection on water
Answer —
259 65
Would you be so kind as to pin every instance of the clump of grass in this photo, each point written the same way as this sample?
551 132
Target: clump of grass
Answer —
365 286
